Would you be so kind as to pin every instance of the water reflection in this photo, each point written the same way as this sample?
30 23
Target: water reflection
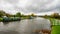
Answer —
28 26
24 26
9 32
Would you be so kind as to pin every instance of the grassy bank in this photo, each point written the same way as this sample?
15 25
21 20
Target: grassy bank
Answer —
55 29
55 26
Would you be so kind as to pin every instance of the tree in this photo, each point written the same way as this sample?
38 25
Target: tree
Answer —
32 14
9 15
45 15
2 13
56 15
18 14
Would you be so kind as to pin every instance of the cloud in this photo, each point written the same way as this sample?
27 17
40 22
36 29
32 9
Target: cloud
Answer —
30 6
41 7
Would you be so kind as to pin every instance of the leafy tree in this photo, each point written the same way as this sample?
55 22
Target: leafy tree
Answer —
18 14
45 15
32 14
56 15
2 13
9 15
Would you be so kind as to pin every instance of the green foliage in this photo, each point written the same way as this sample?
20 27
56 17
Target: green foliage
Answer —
33 14
2 13
1 19
18 14
55 15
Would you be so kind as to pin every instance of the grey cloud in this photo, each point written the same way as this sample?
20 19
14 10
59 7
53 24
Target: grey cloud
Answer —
40 7
12 1
34 6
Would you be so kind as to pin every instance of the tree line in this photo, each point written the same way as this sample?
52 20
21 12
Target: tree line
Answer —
18 14
54 15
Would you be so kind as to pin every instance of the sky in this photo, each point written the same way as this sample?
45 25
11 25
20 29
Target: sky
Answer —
39 7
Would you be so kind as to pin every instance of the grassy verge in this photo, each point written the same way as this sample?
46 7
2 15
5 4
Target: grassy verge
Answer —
56 26
55 30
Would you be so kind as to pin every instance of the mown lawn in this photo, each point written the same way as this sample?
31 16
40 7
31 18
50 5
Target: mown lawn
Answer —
56 26
55 30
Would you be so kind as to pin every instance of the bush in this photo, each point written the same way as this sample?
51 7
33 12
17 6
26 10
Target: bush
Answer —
1 19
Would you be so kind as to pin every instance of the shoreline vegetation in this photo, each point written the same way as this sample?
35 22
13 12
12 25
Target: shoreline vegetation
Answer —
18 15
3 14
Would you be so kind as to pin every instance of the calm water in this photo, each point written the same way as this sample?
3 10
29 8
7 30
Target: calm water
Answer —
26 26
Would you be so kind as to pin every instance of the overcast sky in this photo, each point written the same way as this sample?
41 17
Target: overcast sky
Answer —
30 6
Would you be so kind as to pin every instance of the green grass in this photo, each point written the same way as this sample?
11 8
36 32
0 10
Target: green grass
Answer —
55 30
56 26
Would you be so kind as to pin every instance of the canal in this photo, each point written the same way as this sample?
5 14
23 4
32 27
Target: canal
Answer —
27 26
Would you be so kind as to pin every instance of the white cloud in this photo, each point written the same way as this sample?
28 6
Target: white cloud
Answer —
30 6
